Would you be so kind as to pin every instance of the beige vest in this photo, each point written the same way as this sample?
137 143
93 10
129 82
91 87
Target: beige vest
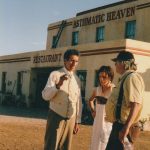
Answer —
65 101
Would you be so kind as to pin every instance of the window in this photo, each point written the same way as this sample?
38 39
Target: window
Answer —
96 81
130 29
3 86
100 34
54 41
75 36
19 83
82 76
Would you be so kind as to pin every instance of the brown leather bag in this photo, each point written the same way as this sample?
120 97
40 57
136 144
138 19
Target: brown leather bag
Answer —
134 132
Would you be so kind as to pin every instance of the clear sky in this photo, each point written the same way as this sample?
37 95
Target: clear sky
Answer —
23 23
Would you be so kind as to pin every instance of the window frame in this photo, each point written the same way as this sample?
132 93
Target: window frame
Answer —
53 40
100 31
130 29
96 79
19 83
3 85
75 38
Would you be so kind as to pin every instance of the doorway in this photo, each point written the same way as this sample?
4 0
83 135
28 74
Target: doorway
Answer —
41 76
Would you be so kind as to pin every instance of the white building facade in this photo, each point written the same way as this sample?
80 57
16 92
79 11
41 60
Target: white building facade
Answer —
99 34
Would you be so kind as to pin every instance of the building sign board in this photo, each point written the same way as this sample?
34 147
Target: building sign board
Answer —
112 15
47 58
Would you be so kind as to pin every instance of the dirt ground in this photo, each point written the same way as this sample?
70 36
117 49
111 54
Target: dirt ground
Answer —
26 133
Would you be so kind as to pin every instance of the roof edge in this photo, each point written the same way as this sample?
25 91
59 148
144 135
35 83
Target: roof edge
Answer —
104 7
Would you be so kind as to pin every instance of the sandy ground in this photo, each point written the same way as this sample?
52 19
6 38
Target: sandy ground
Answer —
19 133
24 133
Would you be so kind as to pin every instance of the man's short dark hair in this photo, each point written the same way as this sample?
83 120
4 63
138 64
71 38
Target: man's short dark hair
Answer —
69 53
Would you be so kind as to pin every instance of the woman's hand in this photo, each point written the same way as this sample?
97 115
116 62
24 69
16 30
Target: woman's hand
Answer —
93 113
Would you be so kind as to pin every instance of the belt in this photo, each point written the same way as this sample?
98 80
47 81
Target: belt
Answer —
101 100
53 112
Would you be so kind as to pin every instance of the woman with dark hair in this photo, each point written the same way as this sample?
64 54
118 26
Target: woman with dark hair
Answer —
101 128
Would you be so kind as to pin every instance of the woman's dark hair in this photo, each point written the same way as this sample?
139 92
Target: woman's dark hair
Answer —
69 53
108 70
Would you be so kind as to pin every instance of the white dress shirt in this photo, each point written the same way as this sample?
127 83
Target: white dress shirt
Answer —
65 101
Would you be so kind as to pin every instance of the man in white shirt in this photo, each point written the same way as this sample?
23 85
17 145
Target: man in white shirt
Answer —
63 93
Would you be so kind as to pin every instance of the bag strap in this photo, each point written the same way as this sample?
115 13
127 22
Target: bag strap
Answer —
120 98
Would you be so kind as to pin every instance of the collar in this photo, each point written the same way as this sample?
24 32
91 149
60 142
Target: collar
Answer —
125 74
70 73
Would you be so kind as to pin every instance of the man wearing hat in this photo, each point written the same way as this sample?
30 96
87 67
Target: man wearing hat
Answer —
124 106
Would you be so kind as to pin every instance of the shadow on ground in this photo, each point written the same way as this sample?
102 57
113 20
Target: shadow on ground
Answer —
24 112
39 113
